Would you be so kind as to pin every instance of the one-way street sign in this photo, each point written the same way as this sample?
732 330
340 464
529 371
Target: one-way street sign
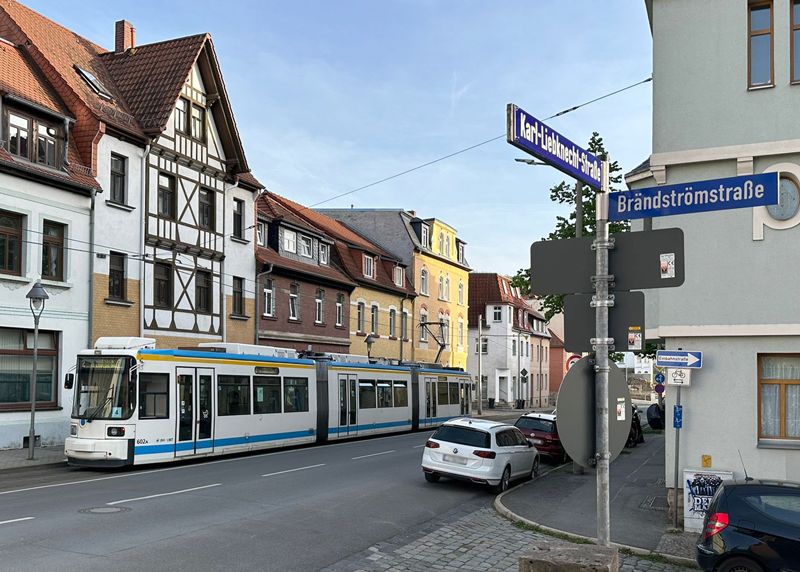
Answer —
679 358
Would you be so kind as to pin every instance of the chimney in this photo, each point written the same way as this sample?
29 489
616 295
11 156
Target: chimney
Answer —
124 37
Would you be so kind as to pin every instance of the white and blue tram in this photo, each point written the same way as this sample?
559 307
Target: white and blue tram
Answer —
135 404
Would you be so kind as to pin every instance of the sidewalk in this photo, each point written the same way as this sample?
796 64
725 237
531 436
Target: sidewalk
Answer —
567 502
18 458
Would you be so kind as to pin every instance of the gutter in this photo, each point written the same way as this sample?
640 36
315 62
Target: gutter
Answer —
143 219
90 329
258 296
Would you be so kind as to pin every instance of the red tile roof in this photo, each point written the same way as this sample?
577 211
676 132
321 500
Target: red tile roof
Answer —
486 288
19 77
314 272
268 206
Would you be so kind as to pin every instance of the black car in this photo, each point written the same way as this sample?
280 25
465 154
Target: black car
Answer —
752 526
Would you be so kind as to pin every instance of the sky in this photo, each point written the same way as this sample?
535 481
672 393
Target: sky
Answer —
331 96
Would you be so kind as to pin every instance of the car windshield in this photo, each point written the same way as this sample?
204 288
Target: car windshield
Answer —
102 390
535 424
462 436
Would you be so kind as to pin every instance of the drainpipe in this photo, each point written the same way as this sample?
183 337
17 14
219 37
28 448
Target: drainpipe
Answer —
258 296
91 270
143 221
402 318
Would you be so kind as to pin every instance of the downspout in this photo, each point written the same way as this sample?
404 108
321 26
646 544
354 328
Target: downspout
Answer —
258 296
143 221
91 271
402 319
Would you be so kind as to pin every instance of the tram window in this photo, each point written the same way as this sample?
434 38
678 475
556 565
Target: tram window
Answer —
454 397
153 396
366 394
295 391
266 394
234 395
400 394
442 393
384 393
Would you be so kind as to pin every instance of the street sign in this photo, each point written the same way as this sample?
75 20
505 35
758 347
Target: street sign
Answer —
660 378
679 358
679 376
695 197
575 409
659 388
532 136
677 417
523 372
624 322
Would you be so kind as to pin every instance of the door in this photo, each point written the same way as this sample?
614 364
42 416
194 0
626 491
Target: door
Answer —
348 405
430 400
463 392
195 412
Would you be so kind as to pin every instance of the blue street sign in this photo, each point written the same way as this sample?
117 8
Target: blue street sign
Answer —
679 358
659 388
677 417
700 196
660 378
532 136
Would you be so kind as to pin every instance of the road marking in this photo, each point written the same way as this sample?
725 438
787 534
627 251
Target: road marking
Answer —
418 446
373 455
163 494
293 470
17 520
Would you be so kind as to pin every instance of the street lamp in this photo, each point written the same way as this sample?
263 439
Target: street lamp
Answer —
37 297
369 340
530 161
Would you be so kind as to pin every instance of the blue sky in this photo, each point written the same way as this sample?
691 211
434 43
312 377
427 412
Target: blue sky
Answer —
330 96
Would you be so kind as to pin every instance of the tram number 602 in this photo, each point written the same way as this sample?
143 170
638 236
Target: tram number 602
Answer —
141 441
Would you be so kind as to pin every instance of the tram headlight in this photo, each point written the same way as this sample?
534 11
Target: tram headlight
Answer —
115 431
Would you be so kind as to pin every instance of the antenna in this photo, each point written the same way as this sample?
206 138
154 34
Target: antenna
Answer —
746 478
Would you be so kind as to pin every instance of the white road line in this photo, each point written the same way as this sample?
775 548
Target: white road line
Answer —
373 455
163 494
17 520
293 470
418 446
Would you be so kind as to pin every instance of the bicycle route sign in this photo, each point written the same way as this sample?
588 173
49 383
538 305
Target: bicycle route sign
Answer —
679 376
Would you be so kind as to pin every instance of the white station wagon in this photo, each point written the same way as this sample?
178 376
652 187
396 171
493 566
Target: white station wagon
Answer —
484 452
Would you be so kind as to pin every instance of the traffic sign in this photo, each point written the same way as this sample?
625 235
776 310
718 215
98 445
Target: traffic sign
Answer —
659 388
679 376
677 417
699 196
532 136
660 378
523 372
624 322
679 358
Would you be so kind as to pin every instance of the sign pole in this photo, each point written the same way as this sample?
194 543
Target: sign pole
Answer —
480 365
602 302
677 452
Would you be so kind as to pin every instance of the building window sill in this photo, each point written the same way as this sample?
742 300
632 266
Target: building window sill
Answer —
268 317
112 302
393 338
362 334
120 206
320 324
759 87
14 278
57 283
295 320
778 444
240 240
239 317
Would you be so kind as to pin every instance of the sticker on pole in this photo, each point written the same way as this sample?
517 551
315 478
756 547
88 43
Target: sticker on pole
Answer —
635 338
668 265
621 409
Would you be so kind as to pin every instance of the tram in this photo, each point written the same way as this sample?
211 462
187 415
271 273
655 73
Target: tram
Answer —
136 404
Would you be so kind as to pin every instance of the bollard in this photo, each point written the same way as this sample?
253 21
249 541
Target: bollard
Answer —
547 557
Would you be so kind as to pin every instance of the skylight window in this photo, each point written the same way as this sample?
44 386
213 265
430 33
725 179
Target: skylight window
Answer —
94 83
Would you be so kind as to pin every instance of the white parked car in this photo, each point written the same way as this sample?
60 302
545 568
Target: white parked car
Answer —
484 452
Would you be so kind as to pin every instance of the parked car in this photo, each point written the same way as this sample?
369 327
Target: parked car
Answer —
484 452
752 526
542 429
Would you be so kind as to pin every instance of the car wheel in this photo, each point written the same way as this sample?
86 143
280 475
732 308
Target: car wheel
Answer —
740 564
432 477
505 481
535 468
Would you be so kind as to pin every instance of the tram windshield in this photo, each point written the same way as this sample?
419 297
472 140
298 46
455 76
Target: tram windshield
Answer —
104 389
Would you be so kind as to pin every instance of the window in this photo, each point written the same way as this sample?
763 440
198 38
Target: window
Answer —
392 323
426 241
290 241
373 320
202 291
119 167
510 314
162 285
795 41
461 253
369 266
266 394
205 216
19 134
234 395
441 243
361 309
400 394
384 393
404 325
198 122
398 276
238 218
513 347
294 309
484 346
33 139
16 366
46 145
305 246
238 296
116 276
261 230
167 197
295 394
53 251
454 393
10 242
366 394
323 253
497 314
461 293
463 436
460 333
760 44
441 287
153 396
423 282
443 393
181 112
319 300
447 289
779 396
423 318
94 83
339 309
269 298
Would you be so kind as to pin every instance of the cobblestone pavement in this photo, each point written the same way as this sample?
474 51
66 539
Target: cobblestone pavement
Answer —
476 541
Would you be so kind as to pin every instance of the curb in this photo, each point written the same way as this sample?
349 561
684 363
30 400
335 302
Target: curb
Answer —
505 512
34 465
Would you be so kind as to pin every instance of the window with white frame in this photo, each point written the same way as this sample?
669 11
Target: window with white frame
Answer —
441 287
423 318
398 276
441 242
323 253
261 231
482 345
305 246
294 305
779 396
404 325
460 333
373 322
361 308
425 237
423 282
760 44
289 240
447 289
461 253
392 323
269 298
339 309
369 266
319 302
461 293
497 314
513 347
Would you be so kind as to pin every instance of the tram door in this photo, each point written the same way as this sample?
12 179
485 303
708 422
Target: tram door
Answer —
464 392
430 401
348 405
195 412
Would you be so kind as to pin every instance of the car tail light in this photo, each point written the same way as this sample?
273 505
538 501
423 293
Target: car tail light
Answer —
432 445
717 522
116 431
484 454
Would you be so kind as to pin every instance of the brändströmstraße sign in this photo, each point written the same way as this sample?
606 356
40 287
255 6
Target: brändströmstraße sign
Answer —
699 196
532 136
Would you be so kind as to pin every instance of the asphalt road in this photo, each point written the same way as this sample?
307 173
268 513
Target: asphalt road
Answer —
300 509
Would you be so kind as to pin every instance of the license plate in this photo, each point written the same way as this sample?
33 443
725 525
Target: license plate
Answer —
452 459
